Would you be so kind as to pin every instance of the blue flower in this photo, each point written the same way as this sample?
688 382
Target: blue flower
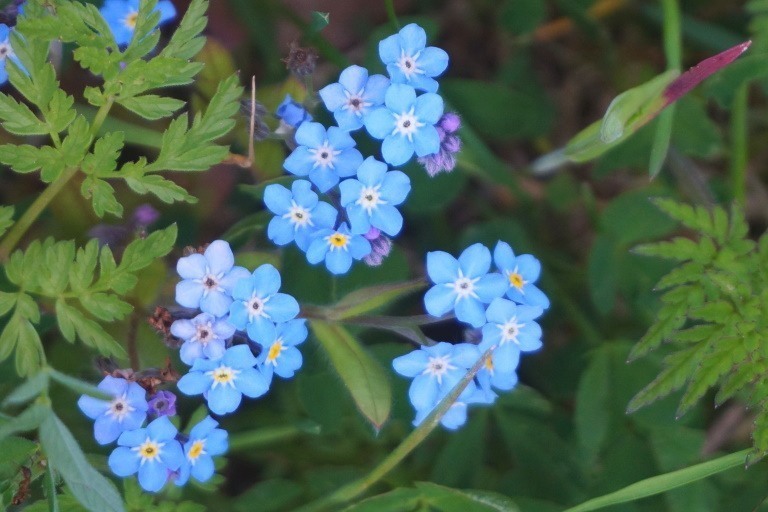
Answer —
292 113
279 355
463 284
370 200
353 96
208 279
162 403
204 336
127 411
323 155
153 452
258 305
521 272
298 212
338 248
121 16
6 52
224 382
435 371
205 441
511 327
409 61
406 124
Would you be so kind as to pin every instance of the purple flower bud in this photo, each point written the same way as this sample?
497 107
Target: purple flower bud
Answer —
450 122
145 215
372 234
451 144
163 403
381 246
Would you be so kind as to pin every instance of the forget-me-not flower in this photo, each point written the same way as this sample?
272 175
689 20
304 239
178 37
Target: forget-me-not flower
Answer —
224 382
521 271
291 113
410 61
279 355
6 52
121 17
204 336
323 155
464 284
298 213
353 96
258 305
406 124
126 411
338 247
370 200
435 370
205 441
512 329
162 403
152 452
208 279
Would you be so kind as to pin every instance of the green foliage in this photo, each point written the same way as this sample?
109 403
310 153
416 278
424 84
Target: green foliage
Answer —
713 314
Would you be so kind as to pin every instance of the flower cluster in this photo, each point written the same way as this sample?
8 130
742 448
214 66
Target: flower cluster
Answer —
361 214
226 303
503 305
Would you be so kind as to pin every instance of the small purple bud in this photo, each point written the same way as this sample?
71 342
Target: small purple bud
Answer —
381 246
440 132
163 403
450 122
451 144
145 215
108 234
372 234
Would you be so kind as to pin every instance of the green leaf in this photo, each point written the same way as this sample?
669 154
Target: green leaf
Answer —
19 119
103 195
6 221
102 161
401 499
78 386
363 376
186 41
152 106
454 500
105 306
29 348
661 141
7 302
663 483
371 298
318 20
28 420
89 332
91 489
32 388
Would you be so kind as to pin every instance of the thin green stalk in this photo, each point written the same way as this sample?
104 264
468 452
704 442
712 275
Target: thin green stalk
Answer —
391 13
673 40
267 436
739 144
36 208
354 489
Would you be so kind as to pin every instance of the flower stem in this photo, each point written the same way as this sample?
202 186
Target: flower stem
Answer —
739 144
391 13
21 226
354 489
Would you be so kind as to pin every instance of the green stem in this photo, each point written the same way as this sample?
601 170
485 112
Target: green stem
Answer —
739 144
391 13
354 489
673 40
36 208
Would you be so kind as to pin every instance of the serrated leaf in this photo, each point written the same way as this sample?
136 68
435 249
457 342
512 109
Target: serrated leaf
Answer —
677 369
186 41
105 306
89 332
102 196
362 375
102 161
143 251
91 489
81 272
152 106
19 119
708 373
165 190
29 348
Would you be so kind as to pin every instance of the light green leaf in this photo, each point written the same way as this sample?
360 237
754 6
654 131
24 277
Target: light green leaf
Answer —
78 386
29 390
363 376
152 106
19 119
105 306
6 221
28 420
319 20
661 141
368 299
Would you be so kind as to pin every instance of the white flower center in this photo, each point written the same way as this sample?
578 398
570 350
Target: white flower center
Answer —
204 333
149 450
409 65
324 155
406 124
210 282
356 102
298 216
119 408
438 366
223 375
130 20
370 198
255 307
510 330
275 350
463 287
5 51
338 241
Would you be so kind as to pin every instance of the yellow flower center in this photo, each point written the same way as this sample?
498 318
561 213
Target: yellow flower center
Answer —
130 20
274 351
516 280
197 449
338 240
149 450
223 375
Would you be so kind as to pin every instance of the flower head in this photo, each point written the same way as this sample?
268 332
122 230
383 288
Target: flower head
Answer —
323 155
406 124
291 113
279 355
6 52
162 403
223 382
521 272
126 411
450 144
204 336
258 306
464 284
298 213
205 441
152 452
121 16
338 247
208 279
410 61
370 199
301 61
353 96
381 246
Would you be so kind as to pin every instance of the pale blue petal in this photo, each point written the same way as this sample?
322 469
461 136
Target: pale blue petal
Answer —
501 310
303 194
439 300
281 231
347 162
491 286
503 256
192 266
371 172
350 191
217 442
465 355
475 261
395 187
429 108
173 455
316 251
379 122
219 256
359 247
529 267
400 98
360 222
194 383
338 262
354 78
433 61
224 399
238 357
491 335
92 407
411 364
506 357
251 383
504 381
294 332
266 280
412 38
333 96
106 429
470 311
340 139
282 307
426 141
277 198
132 437
376 88
348 120
442 267
260 330
423 83
152 476
189 293
311 135
183 329
387 219
455 417
299 162
234 276
123 461
423 392
324 178
389 49
324 216
190 351
396 149
203 469
161 429
216 303
215 349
